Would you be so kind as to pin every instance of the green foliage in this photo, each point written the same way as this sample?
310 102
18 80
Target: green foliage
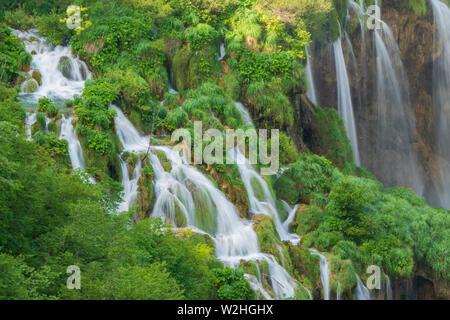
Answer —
114 38
348 201
232 285
312 177
330 138
46 105
12 55
200 35
49 26
19 19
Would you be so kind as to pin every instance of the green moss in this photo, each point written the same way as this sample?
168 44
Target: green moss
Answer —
53 127
146 193
266 232
192 68
205 211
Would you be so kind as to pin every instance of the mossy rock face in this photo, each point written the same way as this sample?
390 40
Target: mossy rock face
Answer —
22 77
146 193
266 232
163 159
260 270
180 218
230 183
39 125
30 86
205 211
192 68
53 127
36 75
286 189
65 66
230 85
257 189
347 279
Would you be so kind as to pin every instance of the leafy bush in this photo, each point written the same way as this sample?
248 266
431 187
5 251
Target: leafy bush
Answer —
46 105
232 285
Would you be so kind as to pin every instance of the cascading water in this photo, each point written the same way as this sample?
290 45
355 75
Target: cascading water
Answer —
132 142
31 119
266 203
184 194
221 51
130 185
75 151
345 104
361 292
62 74
311 93
234 238
291 214
389 295
244 113
441 97
324 274
396 122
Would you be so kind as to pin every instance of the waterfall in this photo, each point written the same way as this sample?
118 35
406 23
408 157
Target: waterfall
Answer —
186 197
31 119
130 138
311 94
266 205
221 52
62 74
324 274
171 89
291 215
75 151
396 122
244 113
389 295
441 97
130 185
361 292
132 142
345 105
234 237
338 291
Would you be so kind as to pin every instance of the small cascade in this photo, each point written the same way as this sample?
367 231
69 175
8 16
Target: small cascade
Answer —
130 138
130 185
338 290
171 89
441 97
221 51
235 240
310 78
324 274
389 295
266 203
75 151
244 113
345 104
132 142
361 292
31 119
291 214
257 286
396 123
62 74
47 121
